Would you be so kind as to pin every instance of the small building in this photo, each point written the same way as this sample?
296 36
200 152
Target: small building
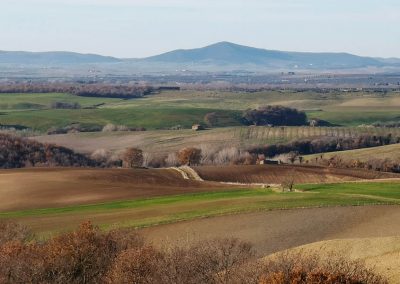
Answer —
269 162
197 127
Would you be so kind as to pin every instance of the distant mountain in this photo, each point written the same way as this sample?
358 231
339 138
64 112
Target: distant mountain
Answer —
226 53
223 56
52 58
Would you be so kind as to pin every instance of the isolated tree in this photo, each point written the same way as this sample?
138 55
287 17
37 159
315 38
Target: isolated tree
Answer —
211 119
292 156
288 182
133 157
189 156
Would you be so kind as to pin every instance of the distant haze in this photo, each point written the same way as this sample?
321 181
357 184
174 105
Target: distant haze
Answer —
141 28
222 56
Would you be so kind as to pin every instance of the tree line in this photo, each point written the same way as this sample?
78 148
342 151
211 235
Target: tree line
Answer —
325 144
125 91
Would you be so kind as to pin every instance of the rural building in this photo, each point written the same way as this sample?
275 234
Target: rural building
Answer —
197 127
269 162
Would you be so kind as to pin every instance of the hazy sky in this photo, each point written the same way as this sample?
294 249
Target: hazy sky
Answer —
137 28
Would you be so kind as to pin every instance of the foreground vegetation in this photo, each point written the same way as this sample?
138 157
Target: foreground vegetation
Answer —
88 255
160 210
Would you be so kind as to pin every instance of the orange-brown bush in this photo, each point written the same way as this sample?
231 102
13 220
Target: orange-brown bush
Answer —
311 268
189 156
14 232
88 255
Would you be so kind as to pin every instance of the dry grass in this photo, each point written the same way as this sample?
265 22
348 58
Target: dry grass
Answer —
380 254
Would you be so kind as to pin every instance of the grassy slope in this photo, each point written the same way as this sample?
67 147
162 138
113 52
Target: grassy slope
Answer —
383 152
379 254
184 108
147 212
151 118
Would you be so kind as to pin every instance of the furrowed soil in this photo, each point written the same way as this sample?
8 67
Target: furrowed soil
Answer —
22 189
278 230
276 174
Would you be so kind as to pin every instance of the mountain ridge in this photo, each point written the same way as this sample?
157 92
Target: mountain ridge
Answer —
222 55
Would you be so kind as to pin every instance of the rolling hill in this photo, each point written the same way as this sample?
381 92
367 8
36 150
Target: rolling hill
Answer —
226 53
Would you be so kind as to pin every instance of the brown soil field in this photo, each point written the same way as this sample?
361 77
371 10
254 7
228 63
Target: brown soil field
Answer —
278 230
57 187
275 174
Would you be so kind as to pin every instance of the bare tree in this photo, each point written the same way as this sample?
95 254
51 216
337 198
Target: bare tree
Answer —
132 158
189 156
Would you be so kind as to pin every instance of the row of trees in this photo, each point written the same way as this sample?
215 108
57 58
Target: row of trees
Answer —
326 144
211 155
85 90
376 164
88 255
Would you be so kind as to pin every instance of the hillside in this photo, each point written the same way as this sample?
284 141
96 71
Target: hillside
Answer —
384 152
379 253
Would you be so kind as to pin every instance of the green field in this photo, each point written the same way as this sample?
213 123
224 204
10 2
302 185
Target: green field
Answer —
160 210
184 108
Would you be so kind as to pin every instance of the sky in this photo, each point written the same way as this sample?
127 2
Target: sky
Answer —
140 28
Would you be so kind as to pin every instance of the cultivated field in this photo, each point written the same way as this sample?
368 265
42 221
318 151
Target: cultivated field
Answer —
278 230
41 188
168 141
59 199
277 174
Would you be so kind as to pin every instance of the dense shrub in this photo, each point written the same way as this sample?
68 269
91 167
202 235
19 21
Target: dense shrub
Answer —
189 156
88 255
16 152
65 105
310 267
275 115
74 128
